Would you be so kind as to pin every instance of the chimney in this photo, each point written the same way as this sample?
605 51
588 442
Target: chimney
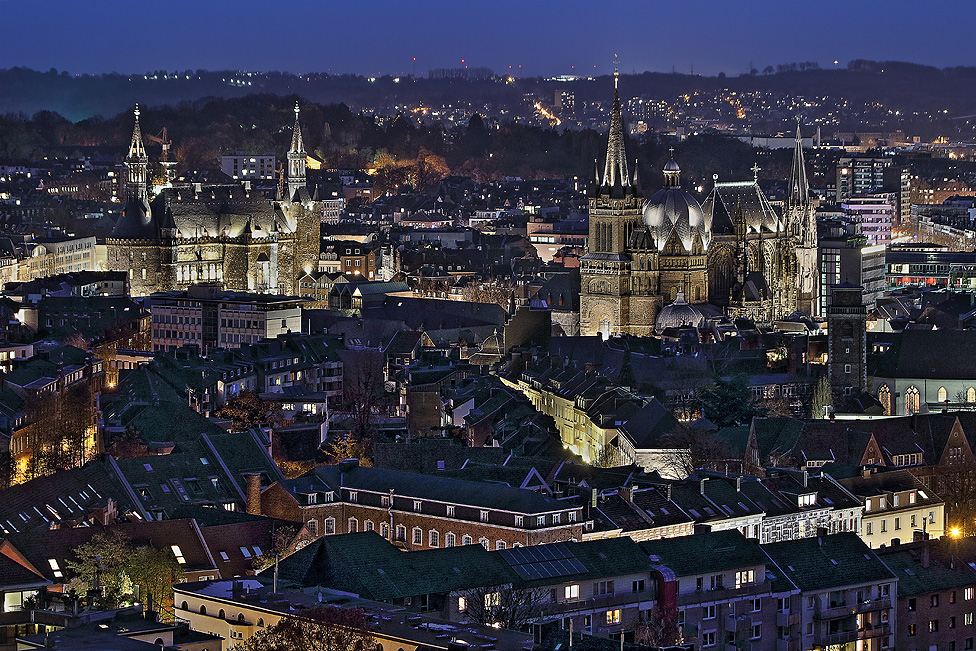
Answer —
925 555
701 485
806 476
253 492
738 484
667 491
626 493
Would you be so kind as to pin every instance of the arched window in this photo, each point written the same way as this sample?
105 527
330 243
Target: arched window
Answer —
971 394
203 610
884 397
353 525
434 538
943 395
159 641
183 606
911 400
240 617
369 526
485 543
449 540
260 622
221 614
466 540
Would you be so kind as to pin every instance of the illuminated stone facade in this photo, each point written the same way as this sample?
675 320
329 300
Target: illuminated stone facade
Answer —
737 251
215 233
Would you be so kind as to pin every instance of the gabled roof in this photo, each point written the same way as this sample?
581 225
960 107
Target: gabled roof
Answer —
917 576
436 488
369 566
825 562
920 354
705 553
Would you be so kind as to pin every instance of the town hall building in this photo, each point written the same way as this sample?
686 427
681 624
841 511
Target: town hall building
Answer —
225 234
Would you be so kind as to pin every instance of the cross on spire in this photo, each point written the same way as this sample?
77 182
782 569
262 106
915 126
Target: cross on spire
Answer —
755 171
671 150
616 70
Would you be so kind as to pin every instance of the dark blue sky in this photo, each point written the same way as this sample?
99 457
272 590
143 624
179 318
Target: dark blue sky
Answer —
544 36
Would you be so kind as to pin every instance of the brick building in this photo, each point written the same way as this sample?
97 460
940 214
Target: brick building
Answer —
421 511
936 596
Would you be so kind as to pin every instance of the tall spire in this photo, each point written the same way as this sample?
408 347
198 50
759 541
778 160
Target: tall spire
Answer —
136 148
137 164
296 159
615 174
799 191
297 146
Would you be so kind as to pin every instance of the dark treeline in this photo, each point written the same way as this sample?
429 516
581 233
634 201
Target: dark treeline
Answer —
905 87
202 130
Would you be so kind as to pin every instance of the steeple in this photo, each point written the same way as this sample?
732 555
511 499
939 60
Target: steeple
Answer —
296 159
672 173
799 191
136 164
615 173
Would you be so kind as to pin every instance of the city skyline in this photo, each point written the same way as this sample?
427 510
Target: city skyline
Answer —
397 38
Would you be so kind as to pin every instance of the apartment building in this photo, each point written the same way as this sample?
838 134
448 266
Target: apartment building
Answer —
208 317
421 511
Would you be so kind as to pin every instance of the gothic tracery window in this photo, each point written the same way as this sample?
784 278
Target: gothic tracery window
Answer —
911 400
884 397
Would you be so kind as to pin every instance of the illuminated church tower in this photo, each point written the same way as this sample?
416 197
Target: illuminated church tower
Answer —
618 294
296 161
802 221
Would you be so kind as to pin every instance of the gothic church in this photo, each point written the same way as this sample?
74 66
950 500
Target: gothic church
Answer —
222 234
737 251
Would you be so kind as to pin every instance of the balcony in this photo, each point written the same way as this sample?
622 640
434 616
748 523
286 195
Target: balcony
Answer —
723 594
871 605
787 619
878 630
835 612
839 637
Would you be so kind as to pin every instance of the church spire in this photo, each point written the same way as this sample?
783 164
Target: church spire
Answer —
615 174
296 159
799 191
137 164
297 146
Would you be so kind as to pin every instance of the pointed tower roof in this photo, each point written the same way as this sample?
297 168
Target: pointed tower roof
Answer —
136 149
297 146
615 174
799 191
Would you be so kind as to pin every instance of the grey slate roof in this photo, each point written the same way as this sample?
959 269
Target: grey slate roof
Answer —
828 562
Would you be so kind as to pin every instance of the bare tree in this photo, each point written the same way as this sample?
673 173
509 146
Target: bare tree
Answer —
657 627
507 606
325 628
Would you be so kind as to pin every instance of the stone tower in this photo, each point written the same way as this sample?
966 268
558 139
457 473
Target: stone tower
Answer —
802 225
137 166
296 160
614 215
847 319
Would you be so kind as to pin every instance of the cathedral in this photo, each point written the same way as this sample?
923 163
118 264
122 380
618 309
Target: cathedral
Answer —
215 233
649 259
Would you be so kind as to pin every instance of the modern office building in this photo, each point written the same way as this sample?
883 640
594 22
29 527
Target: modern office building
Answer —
206 316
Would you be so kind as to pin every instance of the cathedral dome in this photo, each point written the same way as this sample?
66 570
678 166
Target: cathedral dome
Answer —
135 222
672 210
678 314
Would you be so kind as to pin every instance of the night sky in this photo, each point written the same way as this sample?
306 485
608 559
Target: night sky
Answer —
545 37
